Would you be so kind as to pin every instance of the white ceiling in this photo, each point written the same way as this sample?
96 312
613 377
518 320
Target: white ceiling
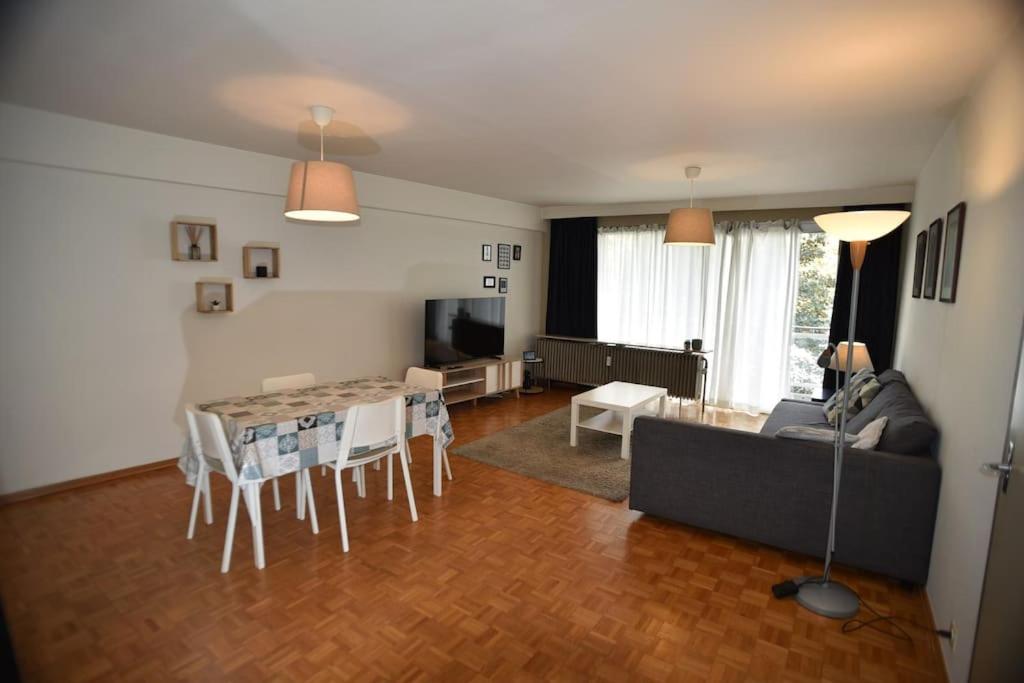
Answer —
545 102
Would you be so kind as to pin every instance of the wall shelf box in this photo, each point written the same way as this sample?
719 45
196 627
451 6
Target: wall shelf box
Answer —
219 288
180 242
260 253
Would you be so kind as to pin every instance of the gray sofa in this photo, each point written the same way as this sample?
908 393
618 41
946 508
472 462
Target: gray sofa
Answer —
778 491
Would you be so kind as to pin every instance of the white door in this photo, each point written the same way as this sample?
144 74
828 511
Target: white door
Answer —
999 641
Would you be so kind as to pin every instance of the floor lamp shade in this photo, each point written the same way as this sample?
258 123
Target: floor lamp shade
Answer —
321 191
691 226
861 226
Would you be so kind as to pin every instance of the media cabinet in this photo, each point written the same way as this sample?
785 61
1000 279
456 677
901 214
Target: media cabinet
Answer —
475 379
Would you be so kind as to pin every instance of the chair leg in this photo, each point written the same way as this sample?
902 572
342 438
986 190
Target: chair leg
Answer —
323 470
207 500
362 481
447 467
311 502
200 483
408 482
257 527
391 476
300 497
229 536
277 494
341 510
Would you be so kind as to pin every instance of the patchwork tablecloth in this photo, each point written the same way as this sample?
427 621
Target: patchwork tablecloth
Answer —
285 431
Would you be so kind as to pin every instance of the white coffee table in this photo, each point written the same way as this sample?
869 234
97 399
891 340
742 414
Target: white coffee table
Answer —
622 402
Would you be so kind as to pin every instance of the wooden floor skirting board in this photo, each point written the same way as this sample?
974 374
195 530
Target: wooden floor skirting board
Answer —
91 480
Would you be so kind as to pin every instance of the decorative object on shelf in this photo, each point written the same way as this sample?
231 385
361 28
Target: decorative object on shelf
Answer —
951 254
485 253
686 345
821 594
251 250
215 295
504 256
690 226
502 285
194 232
919 256
321 191
697 344
186 230
517 252
931 261
488 282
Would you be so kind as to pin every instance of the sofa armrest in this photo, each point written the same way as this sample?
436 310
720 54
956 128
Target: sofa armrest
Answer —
779 492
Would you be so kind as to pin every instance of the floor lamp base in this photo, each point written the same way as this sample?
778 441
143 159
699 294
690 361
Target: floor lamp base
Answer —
828 598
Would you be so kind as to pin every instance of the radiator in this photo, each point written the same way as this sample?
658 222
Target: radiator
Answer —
594 363
576 362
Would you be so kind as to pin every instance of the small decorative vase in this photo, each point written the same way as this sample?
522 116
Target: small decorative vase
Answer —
261 271
193 253
686 345
698 344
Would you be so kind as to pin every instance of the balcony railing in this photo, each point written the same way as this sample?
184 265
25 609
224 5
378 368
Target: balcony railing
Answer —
804 373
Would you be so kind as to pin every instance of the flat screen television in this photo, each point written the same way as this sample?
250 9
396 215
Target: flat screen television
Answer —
457 330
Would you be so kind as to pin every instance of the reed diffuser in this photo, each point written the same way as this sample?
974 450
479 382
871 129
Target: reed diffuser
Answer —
194 232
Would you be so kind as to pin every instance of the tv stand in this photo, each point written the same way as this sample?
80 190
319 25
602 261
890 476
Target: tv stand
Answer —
472 380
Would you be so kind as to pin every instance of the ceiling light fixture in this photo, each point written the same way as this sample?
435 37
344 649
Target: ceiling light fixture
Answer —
690 227
321 191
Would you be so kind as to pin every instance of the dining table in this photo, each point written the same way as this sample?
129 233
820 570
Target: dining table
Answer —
280 432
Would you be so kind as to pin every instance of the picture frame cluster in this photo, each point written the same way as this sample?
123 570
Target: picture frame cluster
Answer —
506 255
931 252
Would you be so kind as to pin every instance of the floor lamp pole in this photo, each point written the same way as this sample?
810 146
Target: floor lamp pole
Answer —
821 595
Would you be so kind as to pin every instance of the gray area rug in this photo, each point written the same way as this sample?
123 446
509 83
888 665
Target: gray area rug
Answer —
540 449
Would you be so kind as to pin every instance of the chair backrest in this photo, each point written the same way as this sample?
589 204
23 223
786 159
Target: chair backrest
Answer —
422 377
300 381
209 440
372 424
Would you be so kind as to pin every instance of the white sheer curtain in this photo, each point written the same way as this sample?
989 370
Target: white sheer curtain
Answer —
739 296
648 294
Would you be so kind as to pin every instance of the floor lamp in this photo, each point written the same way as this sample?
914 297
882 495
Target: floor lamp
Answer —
821 594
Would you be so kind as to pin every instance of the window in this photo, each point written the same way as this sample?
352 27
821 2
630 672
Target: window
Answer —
819 260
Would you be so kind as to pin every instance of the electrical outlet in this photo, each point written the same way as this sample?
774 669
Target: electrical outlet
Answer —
952 635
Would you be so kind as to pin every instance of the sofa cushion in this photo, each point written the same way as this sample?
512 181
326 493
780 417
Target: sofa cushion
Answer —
891 375
789 412
908 431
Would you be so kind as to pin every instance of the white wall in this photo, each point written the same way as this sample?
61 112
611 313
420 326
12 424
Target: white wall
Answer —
100 344
960 358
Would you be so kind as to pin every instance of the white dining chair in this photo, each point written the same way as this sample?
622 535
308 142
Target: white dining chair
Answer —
211 446
366 426
283 383
434 380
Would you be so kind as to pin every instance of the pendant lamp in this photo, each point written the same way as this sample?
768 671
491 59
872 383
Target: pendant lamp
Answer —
321 191
690 226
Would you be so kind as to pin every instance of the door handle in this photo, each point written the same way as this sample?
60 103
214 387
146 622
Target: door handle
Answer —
1003 469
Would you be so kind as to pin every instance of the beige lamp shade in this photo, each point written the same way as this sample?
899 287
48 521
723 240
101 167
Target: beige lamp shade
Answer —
861 357
861 226
693 227
321 191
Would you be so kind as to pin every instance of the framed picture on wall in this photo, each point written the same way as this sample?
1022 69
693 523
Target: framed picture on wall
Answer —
931 259
517 252
919 254
488 282
485 253
951 254
504 256
502 285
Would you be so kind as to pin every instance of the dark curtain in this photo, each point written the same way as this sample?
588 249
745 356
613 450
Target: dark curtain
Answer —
877 303
572 278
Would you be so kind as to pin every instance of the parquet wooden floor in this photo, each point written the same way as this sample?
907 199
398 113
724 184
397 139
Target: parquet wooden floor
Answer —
503 578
